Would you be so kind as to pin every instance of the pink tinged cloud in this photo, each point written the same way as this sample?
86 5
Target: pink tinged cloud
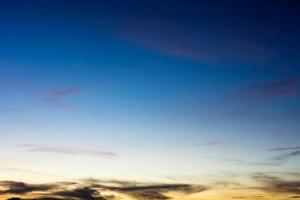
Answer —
55 98
62 93
170 39
288 87
251 98
262 92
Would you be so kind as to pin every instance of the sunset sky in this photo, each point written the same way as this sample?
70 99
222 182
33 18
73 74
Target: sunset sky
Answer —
150 99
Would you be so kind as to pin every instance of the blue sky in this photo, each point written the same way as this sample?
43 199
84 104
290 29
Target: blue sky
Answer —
201 86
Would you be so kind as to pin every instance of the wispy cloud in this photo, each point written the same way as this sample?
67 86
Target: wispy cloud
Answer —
286 156
54 99
173 39
31 172
284 148
274 89
221 143
68 151
62 93
268 162
253 97
11 109
279 159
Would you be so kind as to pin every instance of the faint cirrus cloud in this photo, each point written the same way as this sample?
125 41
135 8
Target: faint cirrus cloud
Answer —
66 150
54 99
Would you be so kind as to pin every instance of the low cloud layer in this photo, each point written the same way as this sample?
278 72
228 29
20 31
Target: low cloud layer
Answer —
285 148
262 185
275 184
92 190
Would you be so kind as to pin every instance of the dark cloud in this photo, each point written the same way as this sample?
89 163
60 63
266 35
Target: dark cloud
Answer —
154 191
185 188
70 151
90 190
81 193
12 187
42 198
275 184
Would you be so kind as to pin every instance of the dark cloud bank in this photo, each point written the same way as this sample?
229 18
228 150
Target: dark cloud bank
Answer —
92 190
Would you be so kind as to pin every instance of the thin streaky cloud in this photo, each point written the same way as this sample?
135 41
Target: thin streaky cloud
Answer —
254 96
26 171
273 89
286 156
11 109
54 99
62 93
69 151
277 160
284 148
275 184
216 143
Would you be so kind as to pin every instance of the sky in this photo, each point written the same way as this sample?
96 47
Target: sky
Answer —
149 99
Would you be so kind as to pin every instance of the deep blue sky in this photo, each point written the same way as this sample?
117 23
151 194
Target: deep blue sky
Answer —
146 79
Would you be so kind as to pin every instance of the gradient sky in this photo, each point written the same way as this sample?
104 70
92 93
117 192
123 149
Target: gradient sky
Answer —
193 92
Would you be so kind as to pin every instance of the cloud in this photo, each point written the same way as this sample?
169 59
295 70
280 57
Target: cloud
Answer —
152 191
253 98
187 46
11 109
272 161
54 98
284 148
185 188
274 184
69 151
261 163
62 93
31 172
275 89
187 35
93 189
216 143
12 187
286 156
80 193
